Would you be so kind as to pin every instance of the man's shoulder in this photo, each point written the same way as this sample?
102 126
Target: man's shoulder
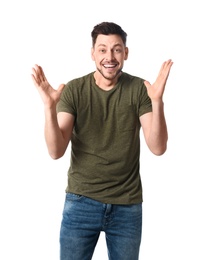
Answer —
79 84
82 79
132 82
127 76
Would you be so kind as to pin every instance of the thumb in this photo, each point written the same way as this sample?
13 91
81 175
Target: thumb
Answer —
147 84
61 87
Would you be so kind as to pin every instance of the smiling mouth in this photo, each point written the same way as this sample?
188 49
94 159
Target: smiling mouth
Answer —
109 66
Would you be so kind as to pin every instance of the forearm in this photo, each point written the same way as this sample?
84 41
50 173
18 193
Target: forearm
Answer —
55 141
158 137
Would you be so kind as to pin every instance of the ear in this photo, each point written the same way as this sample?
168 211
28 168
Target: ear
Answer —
126 53
92 54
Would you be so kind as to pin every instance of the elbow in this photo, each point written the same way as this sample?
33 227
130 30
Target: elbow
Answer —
56 152
55 155
159 153
158 144
160 150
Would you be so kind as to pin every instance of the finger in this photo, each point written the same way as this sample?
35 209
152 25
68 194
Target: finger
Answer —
165 69
35 75
34 80
42 74
168 64
39 74
168 68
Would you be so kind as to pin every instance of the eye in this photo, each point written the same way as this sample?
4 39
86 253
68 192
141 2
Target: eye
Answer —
118 50
102 50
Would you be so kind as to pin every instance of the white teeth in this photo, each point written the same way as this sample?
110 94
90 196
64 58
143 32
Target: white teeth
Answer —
109 66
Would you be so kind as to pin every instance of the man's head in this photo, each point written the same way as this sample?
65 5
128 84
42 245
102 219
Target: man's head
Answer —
109 49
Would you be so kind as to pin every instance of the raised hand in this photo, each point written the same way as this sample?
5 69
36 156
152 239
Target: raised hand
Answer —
49 95
156 90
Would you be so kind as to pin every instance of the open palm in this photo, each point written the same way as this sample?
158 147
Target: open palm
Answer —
156 90
49 95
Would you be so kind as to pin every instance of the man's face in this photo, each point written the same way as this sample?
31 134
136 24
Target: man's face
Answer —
109 54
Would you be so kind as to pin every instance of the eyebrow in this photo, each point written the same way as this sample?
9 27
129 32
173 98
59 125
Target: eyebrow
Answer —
104 45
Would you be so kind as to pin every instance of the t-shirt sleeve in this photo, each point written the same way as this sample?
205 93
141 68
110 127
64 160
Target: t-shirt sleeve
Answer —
145 105
66 102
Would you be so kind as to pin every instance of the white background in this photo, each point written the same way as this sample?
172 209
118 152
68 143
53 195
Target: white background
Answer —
56 35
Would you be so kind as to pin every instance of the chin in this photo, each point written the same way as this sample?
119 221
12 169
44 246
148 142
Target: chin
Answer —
110 76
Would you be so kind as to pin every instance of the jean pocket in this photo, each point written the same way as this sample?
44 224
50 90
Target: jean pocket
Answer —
72 202
73 197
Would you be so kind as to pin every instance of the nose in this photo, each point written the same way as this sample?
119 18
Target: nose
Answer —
109 55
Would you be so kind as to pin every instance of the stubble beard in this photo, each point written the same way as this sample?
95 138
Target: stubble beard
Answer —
111 77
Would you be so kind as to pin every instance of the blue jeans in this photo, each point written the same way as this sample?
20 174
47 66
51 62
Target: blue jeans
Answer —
84 219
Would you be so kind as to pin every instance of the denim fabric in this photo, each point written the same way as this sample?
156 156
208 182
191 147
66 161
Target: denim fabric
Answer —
84 219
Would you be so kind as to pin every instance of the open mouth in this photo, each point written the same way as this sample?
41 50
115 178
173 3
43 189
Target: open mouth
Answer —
109 66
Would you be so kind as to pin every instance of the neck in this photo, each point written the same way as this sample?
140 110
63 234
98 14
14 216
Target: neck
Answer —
103 83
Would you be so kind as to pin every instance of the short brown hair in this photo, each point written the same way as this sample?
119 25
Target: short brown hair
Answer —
107 28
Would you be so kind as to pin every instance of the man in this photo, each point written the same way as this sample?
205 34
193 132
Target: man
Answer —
101 114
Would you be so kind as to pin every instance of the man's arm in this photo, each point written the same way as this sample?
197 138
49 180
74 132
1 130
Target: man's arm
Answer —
154 123
58 128
58 132
155 130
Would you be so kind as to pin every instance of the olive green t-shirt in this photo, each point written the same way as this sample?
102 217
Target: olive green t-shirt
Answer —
105 145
